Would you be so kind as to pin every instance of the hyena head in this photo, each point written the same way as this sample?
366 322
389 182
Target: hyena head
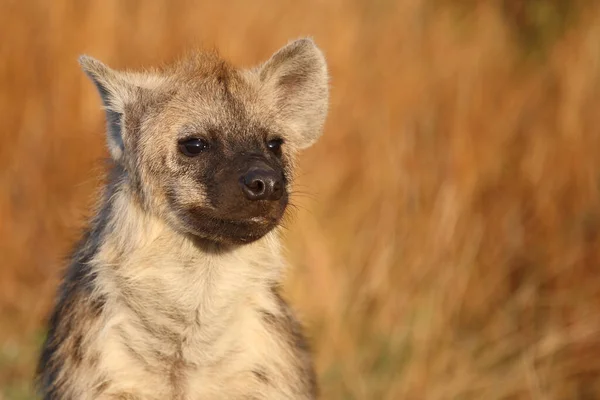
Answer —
209 147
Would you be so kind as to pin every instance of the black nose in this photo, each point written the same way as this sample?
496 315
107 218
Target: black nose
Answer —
262 184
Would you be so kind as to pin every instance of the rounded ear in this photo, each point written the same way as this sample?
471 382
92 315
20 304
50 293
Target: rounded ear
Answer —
296 80
115 92
118 89
113 87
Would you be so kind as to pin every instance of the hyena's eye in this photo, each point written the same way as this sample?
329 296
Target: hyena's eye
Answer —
275 145
193 147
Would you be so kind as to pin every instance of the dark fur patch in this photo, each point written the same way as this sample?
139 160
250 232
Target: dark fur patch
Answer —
77 353
97 305
101 387
260 374
268 318
113 127
177 375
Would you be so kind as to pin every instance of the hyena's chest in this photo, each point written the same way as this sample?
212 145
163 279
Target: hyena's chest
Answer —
151 359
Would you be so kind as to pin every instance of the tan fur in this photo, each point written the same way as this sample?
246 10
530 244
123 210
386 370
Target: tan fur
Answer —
150 310
225 293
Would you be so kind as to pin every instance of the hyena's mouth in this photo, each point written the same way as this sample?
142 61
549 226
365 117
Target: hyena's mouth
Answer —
261 220
207 225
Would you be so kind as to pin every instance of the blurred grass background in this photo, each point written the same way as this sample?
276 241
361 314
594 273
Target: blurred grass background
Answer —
447 239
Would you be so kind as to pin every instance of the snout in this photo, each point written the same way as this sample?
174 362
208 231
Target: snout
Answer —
248 196
262 183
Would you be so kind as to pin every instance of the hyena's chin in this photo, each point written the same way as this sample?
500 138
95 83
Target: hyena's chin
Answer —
206 225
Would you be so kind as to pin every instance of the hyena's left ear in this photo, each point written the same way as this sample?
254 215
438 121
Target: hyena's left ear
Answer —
297 81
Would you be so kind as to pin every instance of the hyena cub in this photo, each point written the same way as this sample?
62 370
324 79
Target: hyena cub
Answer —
173 293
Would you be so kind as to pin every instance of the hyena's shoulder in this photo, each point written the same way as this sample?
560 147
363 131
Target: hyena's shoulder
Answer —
74 320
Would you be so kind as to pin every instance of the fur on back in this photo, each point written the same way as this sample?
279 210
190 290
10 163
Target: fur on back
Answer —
154 306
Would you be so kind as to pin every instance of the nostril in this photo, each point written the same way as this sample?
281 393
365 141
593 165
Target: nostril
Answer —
277 188
262 185
257 186
254 186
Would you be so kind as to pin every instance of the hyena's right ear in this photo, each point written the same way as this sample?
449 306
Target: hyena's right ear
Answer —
115 92
118 90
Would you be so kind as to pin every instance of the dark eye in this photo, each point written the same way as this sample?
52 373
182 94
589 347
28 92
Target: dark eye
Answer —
275 145
193 147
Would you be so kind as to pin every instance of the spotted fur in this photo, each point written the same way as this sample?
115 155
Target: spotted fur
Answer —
173 292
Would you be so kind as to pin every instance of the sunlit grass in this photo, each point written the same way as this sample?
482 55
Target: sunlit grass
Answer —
446 237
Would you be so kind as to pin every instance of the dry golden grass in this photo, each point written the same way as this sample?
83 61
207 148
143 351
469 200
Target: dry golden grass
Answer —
447 239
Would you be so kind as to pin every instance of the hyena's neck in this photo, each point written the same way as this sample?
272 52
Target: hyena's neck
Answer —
164 277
